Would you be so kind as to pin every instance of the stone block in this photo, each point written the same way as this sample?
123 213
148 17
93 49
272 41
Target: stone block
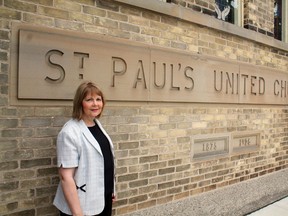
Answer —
127 162
18 154
10 14
138 199
53 12
40 20
47 210
148 174
128 145
24 164
18 175
70 25
129 27
32 183
147 204
47 171
36 143
30 212
4 35
148 159
67 5
21 6
8 186
166 170
43 153
127 193
126 209
166 185
138 183
127 177
9 165
40 192
8 144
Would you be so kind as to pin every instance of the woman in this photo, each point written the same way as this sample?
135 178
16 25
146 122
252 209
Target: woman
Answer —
85 158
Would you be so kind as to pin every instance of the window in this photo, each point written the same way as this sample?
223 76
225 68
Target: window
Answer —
230 11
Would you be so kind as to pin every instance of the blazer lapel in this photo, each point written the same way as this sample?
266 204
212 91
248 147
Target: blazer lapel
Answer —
88 135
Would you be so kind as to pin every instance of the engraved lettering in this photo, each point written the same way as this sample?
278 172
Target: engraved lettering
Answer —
209 146
244 142
276 91
230 82
160 86
244 84
165 77
215 81
261 84
119 67
280 88
237 82
172 78
81 61
253 78
140 75
283 88
81 58
54 65
189 77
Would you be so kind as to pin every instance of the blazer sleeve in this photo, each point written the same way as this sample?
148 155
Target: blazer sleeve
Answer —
67 149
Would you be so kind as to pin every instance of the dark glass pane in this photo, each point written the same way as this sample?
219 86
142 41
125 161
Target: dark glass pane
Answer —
278 19
226 10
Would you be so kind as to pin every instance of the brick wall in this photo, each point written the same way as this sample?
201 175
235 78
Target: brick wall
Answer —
259 16
152 142
202 6
155 159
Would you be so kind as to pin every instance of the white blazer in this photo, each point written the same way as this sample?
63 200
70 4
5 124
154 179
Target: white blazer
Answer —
77 147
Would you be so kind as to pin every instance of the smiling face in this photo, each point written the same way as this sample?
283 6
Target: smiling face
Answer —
92 106
88 102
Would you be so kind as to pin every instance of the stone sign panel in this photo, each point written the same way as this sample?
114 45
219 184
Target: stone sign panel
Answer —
54 62
204 146
245 141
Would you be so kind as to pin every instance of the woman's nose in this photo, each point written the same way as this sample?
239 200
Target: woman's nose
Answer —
95 102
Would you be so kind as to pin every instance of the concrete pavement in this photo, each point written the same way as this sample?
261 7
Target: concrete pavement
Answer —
279 208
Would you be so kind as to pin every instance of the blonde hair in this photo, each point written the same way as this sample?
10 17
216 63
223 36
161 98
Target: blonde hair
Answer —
82 91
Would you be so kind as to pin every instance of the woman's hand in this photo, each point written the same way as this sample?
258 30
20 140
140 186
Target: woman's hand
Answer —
113 198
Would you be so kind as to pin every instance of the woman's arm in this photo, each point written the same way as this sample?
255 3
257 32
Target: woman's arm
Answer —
70 191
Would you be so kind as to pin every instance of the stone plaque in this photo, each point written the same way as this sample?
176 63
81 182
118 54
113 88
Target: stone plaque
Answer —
210 145
245 141
49 64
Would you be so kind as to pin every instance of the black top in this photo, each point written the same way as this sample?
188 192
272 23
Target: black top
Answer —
108 158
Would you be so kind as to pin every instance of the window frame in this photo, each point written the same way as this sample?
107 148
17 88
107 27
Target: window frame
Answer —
238 16
285 21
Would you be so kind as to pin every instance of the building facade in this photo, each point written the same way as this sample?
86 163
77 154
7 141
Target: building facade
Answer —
196 100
